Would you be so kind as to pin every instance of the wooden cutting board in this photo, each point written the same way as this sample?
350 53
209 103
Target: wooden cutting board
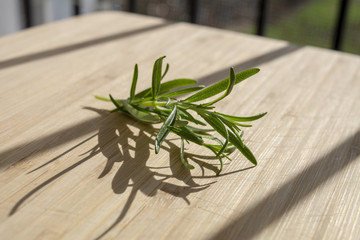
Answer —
71 170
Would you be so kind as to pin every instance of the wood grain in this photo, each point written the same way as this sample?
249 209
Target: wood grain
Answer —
70 170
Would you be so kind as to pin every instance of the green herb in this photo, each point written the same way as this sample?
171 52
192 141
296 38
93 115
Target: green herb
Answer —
186 119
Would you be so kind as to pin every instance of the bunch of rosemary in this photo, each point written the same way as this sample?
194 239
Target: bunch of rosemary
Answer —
159 104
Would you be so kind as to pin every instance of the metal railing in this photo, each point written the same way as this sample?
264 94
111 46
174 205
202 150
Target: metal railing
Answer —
193 8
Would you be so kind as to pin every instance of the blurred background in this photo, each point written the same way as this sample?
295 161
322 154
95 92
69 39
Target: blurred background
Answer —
333 24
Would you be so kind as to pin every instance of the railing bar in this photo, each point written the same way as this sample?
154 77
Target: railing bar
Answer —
76 7
27 13
116 5
340 24
193 10
261 17
132 5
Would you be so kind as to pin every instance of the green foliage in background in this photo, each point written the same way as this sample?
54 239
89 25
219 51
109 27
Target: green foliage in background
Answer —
313 22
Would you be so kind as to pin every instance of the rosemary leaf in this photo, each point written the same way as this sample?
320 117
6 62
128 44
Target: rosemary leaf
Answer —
164 131
134 81
220 86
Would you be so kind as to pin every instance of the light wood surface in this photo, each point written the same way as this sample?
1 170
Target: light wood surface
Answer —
70 170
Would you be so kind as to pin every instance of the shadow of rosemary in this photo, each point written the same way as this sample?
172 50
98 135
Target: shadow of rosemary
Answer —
114 138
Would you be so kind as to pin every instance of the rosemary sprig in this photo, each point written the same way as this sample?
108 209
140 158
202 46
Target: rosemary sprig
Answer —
186 119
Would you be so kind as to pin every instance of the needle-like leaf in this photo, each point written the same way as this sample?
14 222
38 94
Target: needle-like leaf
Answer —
117 104
166 70
233 127
243 119
225 145
182 156
183 91
187 116
231 83
102 98
141 115
214 122
242 148
134 81
187 134
167 86
200 130
156 77
221 86
164 131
